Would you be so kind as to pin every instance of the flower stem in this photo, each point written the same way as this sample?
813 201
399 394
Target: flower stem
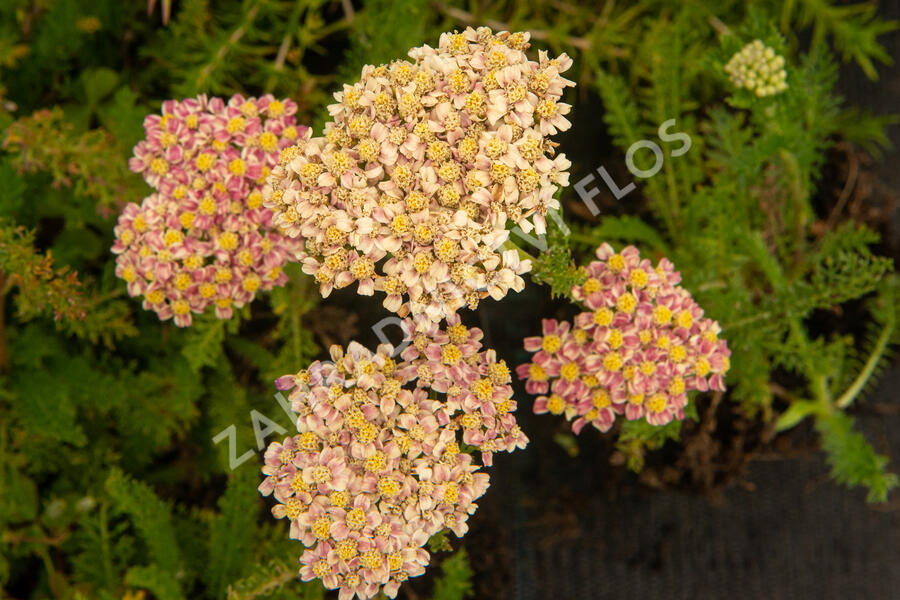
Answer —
4 350
860 382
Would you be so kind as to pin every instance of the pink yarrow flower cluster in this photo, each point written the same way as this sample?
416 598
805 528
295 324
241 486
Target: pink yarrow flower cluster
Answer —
376 467
204 238
410 190
642 344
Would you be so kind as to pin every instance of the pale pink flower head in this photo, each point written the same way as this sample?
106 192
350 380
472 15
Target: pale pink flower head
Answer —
380 462
203 239
424 162
641 346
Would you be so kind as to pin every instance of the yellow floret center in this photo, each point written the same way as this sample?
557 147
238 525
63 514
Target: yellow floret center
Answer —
591 285
601 399
569 371
612 361
356 518
388 487
662 315
616 262
656 403
638 278
182 280
181 307
678 353
556 404
235 124
551 343
616 339
322 527
347 549
159 166
450 354
172 237
536 372
626 303
702 367
451 493
376 462
228 240
684 319
603 316
237 167
205 162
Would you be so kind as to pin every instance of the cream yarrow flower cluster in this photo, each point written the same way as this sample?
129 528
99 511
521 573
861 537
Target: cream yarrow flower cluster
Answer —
642 344
204 238
377 465
411 187
756 67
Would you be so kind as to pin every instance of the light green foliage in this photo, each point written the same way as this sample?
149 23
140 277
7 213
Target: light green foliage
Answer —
455 582
555 266
853 461
152 519
735 214
103 409
854 28
229 547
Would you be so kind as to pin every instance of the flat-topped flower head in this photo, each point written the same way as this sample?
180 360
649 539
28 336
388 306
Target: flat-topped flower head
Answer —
424 162
756 67
638 349
203 238
377 466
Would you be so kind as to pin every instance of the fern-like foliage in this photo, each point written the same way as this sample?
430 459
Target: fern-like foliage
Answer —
41 288
555 267
455 582
853 461
854 29
229 547
152 518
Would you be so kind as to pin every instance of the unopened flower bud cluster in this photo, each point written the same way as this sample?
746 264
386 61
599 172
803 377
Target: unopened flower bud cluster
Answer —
640 347
203 238
757 68
410 189
378 465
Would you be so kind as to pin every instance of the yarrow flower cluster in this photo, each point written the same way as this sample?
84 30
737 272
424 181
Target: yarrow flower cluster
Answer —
377 466
757 68
204 237
640 347
423 164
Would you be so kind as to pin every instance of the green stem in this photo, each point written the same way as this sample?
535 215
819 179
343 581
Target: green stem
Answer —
674 202
747 321
55 581
798 195
225 48
860 382
712 285
104 545
817 381
786 9
4 350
